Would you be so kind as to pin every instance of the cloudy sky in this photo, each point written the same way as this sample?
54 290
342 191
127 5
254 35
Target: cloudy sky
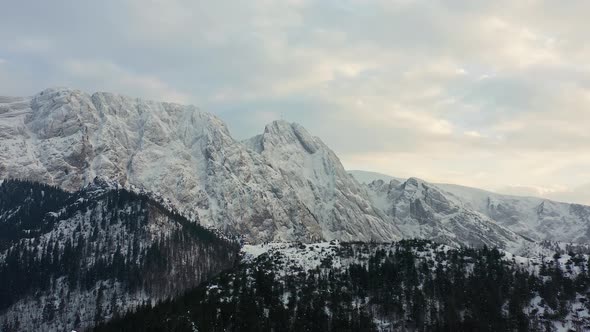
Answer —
493 94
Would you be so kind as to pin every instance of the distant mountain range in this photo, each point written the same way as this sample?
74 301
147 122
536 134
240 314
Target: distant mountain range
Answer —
282 185
535 218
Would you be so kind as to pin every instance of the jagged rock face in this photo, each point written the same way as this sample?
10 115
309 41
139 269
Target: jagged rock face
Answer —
66 138
534 218
341 206
423 210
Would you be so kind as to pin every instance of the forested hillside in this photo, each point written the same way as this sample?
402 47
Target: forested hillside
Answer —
71 260
411 285
24 208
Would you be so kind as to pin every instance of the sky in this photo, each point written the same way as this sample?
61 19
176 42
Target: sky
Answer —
491 94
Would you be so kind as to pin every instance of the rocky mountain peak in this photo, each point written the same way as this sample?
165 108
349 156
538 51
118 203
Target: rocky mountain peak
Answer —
279 133
414 183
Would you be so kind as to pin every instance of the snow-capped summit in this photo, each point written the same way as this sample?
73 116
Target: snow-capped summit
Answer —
415 186
279 133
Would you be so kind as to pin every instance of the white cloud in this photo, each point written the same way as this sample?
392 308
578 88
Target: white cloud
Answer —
28 44
472 133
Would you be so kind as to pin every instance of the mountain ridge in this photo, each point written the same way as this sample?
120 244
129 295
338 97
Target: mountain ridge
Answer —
366 177
534 218
282 185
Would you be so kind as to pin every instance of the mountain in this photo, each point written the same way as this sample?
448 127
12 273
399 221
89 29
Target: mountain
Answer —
69 260
422 210
334 198
535 218
411 285
281 185
66 138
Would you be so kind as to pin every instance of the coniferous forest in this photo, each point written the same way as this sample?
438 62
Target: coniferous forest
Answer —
72 260
412 285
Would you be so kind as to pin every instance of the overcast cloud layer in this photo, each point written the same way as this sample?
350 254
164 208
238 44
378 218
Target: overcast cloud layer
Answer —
493 94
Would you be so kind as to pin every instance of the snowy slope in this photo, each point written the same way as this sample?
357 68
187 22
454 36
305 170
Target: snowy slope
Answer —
291 259
411 285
